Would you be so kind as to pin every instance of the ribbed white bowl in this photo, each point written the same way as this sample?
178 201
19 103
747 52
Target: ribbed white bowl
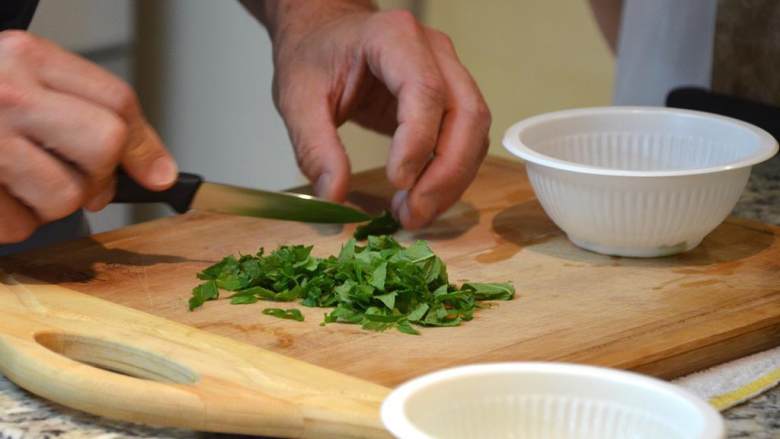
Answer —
638 181
546 401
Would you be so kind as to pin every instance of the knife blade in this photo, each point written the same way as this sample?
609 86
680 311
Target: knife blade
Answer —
191 192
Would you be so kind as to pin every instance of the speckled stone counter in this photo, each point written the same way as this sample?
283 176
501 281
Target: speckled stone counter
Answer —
23 415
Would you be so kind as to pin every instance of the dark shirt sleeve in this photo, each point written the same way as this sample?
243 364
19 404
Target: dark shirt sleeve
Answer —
16 14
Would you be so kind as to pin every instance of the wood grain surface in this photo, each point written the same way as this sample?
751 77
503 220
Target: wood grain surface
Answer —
665 317
113 361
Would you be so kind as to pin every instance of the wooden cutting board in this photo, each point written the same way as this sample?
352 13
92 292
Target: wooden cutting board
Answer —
665 317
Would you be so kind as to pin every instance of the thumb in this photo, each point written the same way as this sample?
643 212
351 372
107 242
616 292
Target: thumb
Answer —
147 161
318 149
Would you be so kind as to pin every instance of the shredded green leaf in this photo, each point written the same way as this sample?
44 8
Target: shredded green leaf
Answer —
289 314
203 292
379 286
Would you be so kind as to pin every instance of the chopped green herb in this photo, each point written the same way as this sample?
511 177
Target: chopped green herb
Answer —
243 299
379 286
203 292
488 291
289 314
384 224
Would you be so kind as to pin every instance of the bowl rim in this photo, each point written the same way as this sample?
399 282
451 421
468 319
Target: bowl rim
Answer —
395 420
768 146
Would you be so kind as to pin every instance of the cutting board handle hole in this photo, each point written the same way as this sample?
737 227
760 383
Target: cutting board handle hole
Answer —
116 357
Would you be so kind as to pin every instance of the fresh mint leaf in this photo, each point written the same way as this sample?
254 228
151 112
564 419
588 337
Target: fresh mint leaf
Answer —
491 291
388 299
418 252
348 251
418 312
233 281
288 314
378 276
288 295
214 271
259 292
406 328
202 293
377 326
344 314
243 299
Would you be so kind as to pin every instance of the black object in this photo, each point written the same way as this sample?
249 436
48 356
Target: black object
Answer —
761 115
16 14
179 196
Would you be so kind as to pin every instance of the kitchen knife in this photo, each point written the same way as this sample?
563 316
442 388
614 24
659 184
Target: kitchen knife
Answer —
191 192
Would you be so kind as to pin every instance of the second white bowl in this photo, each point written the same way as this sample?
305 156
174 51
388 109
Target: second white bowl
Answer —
546 400
638 181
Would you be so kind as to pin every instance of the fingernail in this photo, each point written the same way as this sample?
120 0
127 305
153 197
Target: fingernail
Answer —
322 187
163 172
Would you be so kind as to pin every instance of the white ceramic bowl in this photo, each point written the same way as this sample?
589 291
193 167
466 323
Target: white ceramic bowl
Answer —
638 181
543 401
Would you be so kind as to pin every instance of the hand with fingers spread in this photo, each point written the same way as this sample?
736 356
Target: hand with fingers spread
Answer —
65 125
339 60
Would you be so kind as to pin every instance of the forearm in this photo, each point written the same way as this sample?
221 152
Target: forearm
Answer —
284 17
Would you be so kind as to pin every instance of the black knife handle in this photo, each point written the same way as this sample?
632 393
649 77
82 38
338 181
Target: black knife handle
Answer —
179 196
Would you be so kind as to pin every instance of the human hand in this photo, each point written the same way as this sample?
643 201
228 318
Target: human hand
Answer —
341 60
65 125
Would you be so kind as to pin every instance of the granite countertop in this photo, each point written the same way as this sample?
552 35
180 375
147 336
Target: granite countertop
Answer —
23 415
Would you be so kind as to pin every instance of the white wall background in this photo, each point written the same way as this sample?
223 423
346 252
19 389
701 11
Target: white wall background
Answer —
85 25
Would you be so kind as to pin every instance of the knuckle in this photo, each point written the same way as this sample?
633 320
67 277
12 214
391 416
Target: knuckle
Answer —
480 112
276 94
285 102
289 96
404 174
12 97
485 114
10 147
14 230
71 197
111 141
484 147
432 88
425 142
400 20
124 99
307 158
18 44
65 194
462 168
441 39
